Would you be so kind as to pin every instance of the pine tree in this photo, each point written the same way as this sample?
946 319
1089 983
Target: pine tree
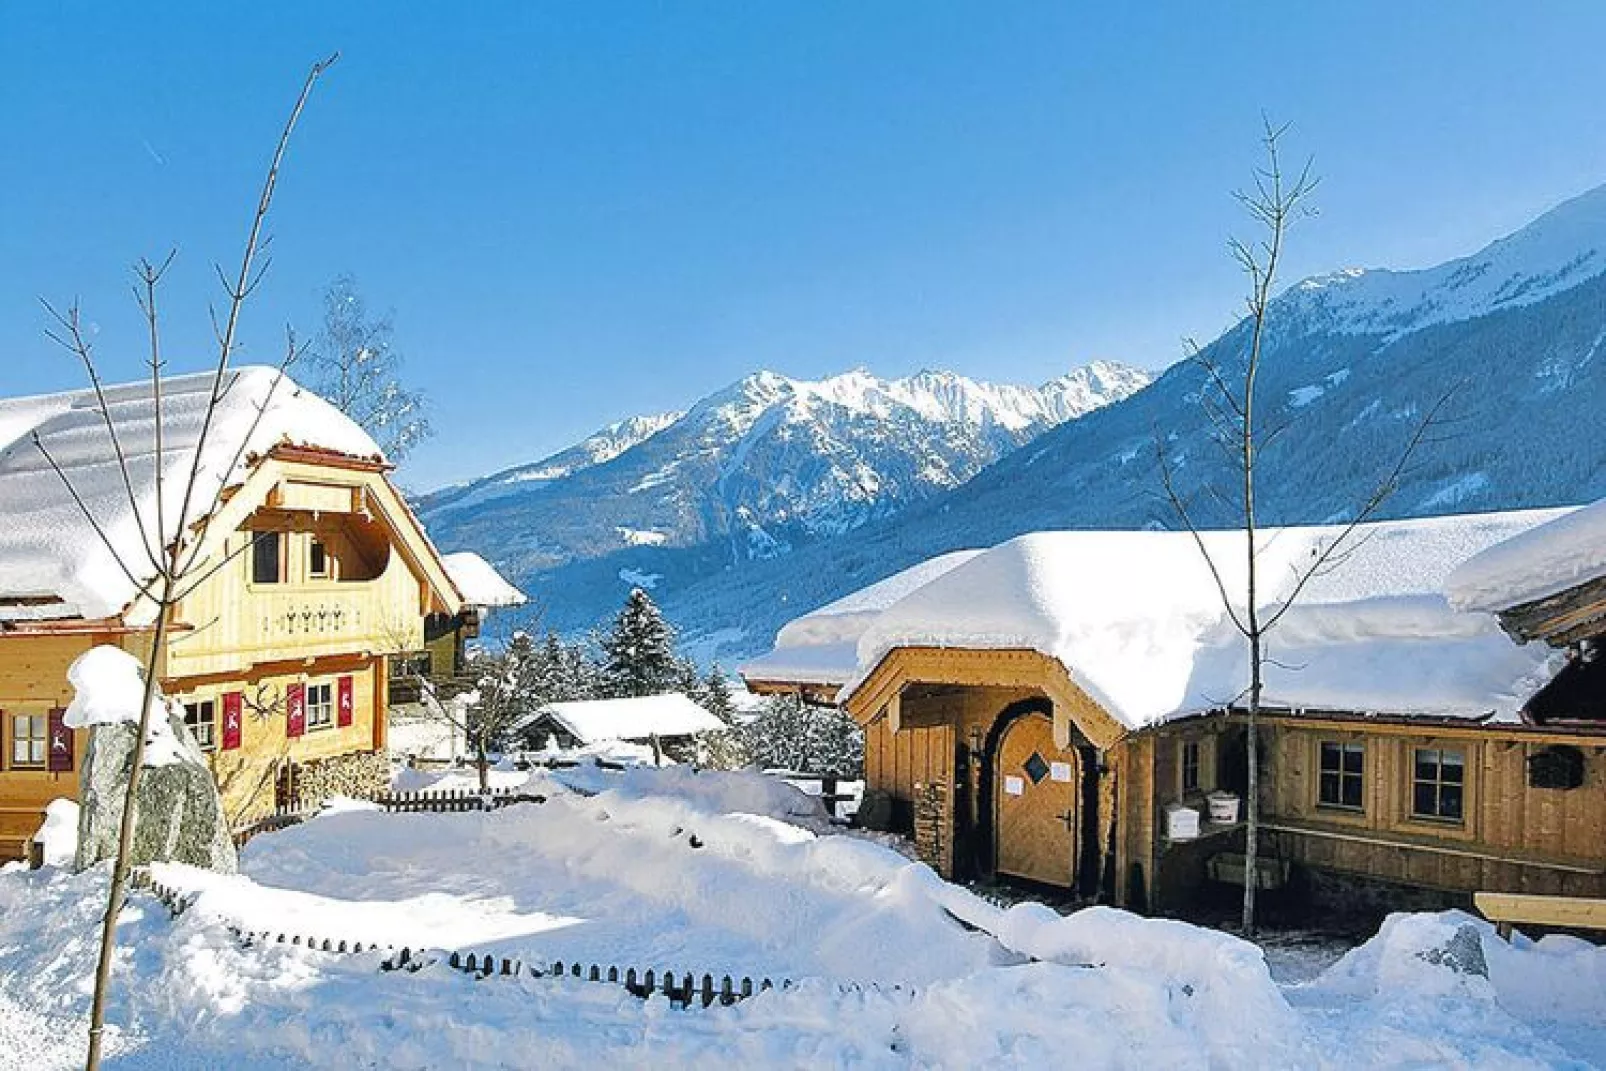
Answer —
640 650
791 735
716 696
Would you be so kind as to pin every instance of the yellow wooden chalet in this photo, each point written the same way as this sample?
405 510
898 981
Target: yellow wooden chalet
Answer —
310 572
1065 709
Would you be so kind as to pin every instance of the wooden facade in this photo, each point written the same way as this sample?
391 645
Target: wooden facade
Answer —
281 658
1443 807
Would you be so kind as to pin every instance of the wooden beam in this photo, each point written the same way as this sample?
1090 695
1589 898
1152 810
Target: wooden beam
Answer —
1568 912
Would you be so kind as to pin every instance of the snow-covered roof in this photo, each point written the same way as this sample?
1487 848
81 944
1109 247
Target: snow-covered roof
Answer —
478 581
1534 564
53 564
594 720
1137 621
821 647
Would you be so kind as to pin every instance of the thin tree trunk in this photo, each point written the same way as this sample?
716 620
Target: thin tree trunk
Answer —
125 836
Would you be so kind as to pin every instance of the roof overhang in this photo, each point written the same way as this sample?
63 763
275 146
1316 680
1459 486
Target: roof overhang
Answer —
881 690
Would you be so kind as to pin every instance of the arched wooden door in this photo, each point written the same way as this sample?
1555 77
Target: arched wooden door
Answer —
1036 793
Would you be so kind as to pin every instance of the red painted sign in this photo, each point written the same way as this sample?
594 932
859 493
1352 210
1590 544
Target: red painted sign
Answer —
344 699
60 758
233 702
295 709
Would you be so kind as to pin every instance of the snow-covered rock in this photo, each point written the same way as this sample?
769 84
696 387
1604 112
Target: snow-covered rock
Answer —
178 814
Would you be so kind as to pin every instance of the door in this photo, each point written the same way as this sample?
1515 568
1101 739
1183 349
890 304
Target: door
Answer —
1036 794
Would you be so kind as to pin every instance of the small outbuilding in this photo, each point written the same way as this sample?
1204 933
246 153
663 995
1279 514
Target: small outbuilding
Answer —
1066 709
671 720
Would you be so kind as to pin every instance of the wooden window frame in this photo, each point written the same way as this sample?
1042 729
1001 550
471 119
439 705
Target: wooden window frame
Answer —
43 741
1438 784
210 744
1346 747
327 721
315 547
1184 788
255 539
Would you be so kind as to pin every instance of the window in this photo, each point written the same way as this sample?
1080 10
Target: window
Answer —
1190 766
1438 784
201 717
265 558
320 706
1343 775
29 736
318 559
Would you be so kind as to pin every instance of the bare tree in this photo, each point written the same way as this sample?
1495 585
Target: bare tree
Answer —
170 563
1275 200
485 706
357 369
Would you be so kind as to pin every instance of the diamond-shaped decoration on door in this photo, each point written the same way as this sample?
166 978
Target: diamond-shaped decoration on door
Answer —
1036 768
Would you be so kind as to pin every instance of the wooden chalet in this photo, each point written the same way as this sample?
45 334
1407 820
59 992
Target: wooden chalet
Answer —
316 572
1060 710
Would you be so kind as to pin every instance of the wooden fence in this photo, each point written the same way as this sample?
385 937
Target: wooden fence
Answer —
685 990
443 801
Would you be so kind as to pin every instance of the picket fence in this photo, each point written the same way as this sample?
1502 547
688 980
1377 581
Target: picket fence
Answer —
687 989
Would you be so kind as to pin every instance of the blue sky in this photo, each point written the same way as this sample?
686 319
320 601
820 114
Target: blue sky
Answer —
586 210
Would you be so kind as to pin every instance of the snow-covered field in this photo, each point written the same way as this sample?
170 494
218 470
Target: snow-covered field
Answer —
740 874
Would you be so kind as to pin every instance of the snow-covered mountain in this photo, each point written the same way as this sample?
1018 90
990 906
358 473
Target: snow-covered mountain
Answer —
1514 335
749 473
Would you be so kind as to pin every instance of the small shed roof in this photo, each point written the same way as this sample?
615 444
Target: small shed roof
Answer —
638 718
479 583
1136 620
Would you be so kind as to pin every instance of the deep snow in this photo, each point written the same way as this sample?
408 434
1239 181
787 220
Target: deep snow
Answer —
615 878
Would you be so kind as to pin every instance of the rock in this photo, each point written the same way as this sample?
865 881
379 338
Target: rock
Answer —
178 814
1462 953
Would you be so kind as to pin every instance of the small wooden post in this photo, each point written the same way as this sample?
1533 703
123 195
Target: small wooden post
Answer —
747 988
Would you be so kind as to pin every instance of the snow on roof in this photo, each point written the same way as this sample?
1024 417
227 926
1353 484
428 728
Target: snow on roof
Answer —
52 562
478 581
670 714
821 646
1540 562
1137 620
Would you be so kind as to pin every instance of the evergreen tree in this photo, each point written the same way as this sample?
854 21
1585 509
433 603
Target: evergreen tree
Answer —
791 735
639 652
715 696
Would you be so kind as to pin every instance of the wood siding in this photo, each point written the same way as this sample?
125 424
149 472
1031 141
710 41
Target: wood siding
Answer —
1512 838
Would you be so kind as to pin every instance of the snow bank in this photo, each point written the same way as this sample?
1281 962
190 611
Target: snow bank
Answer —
478 581
1524 1003
108 685
1551 558
49 551
59 832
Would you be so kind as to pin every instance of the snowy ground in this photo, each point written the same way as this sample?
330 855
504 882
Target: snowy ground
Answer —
739 874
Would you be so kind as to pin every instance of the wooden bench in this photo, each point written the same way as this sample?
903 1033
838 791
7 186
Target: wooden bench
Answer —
1562 912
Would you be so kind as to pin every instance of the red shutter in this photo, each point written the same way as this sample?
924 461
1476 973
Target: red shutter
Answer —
295 709
60 758
233 702
344 698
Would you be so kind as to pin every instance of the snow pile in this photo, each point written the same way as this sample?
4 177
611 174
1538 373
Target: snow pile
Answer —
478 581
1513 1004
674 879
1137 620
59 833
1551 558
108 684
51 556
635 718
